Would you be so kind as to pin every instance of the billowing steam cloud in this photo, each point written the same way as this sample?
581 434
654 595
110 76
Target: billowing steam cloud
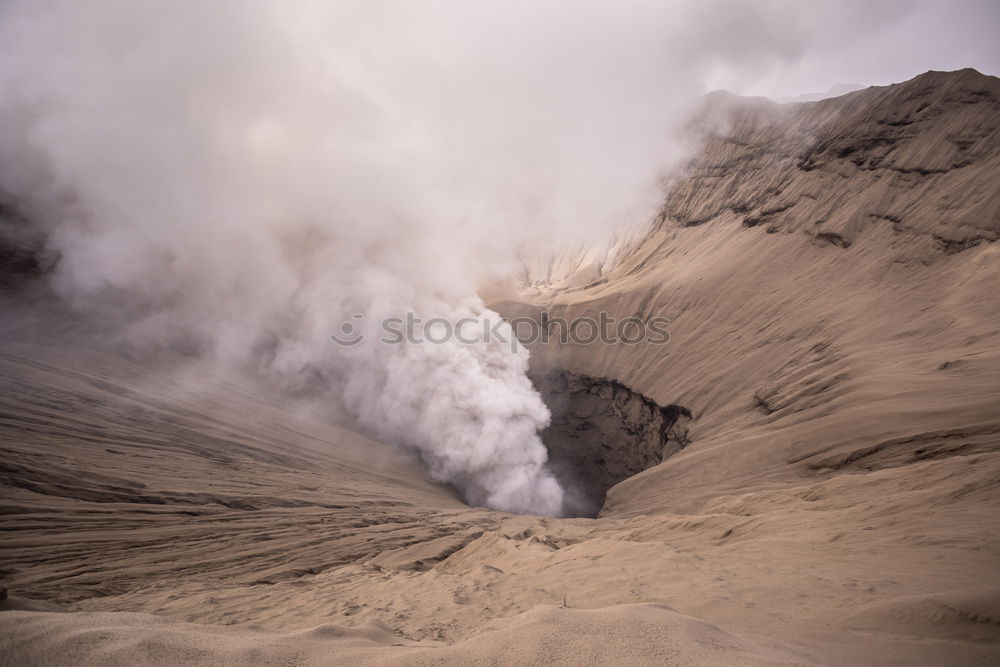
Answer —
238 178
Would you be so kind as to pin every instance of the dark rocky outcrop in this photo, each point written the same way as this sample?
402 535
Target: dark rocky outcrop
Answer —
918 154
603 432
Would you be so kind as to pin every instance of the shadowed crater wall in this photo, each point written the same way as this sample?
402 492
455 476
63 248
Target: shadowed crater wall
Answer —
603 432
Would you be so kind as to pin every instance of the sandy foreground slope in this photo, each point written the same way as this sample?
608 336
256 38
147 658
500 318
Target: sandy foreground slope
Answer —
833 286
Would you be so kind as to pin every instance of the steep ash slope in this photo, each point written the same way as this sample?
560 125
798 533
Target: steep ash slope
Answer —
915 157
829 272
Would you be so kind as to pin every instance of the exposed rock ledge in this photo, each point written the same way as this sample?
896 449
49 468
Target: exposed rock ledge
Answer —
603 432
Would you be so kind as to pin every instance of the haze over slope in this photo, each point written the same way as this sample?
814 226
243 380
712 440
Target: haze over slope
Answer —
829 271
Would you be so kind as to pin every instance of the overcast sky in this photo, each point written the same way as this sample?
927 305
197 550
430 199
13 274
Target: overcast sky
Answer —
876 43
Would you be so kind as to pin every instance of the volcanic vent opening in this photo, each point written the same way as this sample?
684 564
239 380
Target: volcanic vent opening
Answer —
603 432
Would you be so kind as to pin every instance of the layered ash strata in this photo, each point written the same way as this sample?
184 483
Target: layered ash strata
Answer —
872 161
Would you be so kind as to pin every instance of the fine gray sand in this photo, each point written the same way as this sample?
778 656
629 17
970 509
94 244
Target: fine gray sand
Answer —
832 281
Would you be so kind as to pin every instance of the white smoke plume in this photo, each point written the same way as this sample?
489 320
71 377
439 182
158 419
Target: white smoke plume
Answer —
237 178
